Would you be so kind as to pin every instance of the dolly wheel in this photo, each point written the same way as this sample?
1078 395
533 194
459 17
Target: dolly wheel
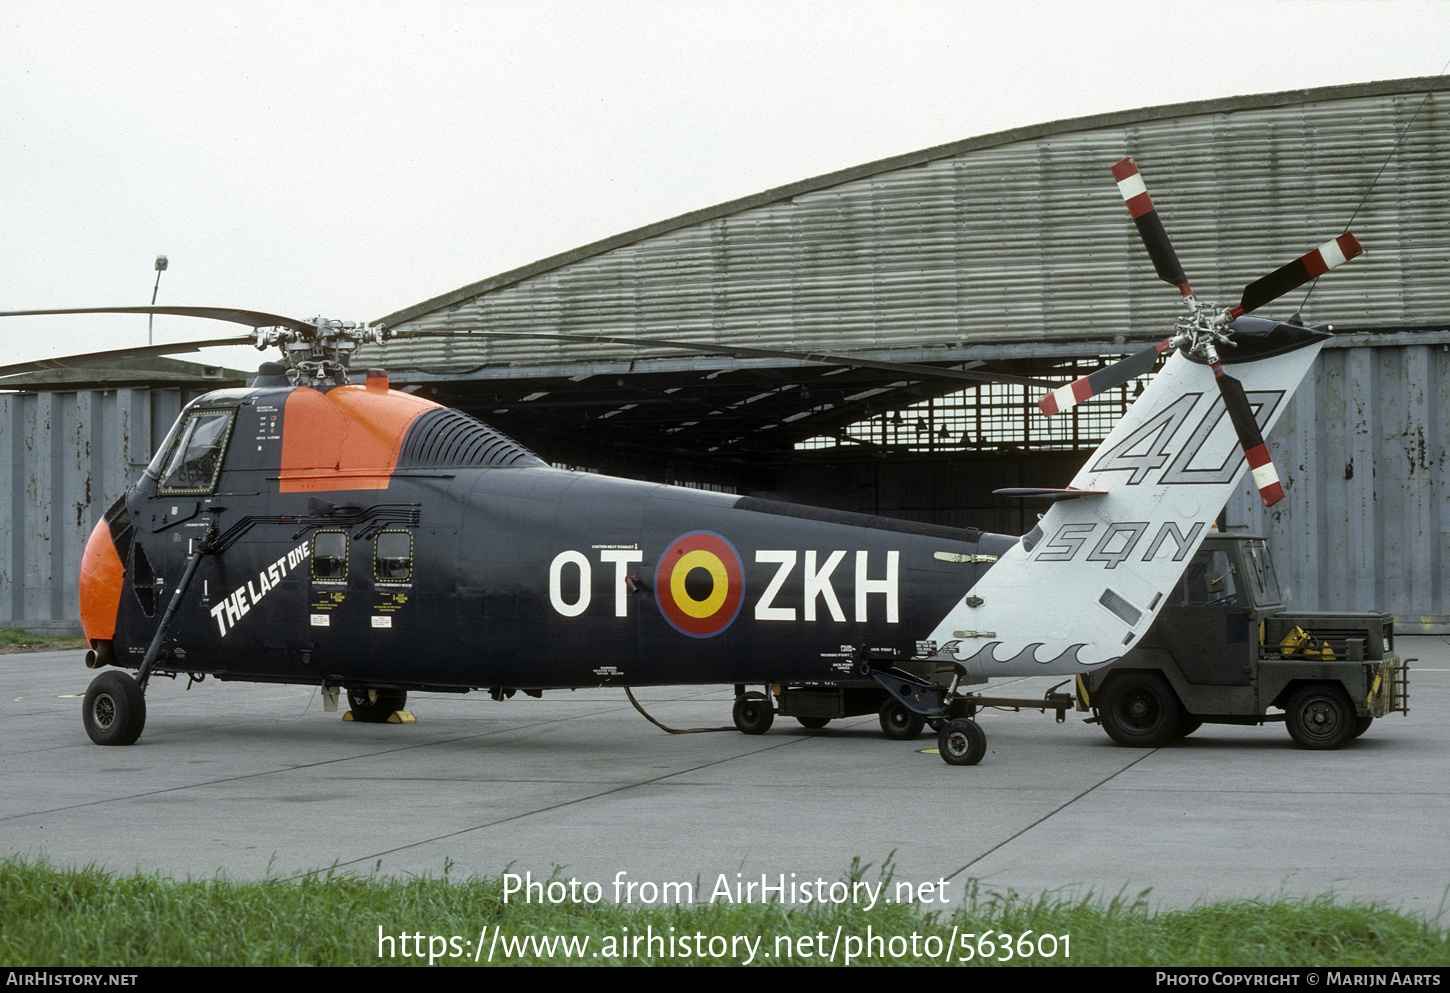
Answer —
961 742
753 713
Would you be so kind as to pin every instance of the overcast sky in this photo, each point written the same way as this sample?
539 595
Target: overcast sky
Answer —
353 158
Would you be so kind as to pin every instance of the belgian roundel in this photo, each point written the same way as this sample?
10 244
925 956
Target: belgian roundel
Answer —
700 584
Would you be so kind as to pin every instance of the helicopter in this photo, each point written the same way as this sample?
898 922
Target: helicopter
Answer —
314 530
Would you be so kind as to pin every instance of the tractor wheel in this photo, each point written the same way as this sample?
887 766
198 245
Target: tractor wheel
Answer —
1140 710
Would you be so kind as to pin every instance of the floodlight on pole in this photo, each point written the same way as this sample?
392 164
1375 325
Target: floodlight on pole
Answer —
150 318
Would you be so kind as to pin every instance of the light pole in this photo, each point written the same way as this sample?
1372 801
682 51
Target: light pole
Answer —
150 318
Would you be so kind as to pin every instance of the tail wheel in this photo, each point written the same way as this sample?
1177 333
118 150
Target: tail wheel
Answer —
961 742
1140 710
115 709
753 713
371 706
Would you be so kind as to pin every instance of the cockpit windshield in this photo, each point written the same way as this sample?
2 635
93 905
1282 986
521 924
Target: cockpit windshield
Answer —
196 457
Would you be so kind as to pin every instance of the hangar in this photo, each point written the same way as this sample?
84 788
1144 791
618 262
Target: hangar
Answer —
1006 256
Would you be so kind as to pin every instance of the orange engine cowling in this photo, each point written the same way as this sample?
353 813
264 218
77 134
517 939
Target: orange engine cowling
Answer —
102 574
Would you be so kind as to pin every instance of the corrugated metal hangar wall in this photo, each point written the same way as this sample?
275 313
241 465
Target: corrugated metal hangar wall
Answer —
1008 243
69 455
1009 248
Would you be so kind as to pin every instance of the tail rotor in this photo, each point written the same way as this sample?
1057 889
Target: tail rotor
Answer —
1204 328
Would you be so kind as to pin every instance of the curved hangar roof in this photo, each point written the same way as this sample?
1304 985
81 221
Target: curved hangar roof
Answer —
998 249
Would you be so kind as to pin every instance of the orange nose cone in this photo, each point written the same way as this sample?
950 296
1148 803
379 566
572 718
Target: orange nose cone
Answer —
101 576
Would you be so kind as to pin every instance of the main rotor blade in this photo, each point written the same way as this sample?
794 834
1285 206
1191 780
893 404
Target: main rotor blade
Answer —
1241 413
1120 372
1150 227
743 352
1311 265
92 358
247 318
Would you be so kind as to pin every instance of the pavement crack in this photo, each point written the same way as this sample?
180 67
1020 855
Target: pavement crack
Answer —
1052 813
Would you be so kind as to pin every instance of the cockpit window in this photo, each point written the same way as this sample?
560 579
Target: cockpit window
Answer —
196 457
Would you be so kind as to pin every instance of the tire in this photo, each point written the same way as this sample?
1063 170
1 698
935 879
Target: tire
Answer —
900 723
1320 717
115 709
753 713
1361 725
371 706
1187 724
961 742
814 723
1140 710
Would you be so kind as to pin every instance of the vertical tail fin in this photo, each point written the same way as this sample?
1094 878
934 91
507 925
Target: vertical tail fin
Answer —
1087 582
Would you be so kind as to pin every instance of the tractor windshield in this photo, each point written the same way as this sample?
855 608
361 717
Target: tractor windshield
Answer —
1262 580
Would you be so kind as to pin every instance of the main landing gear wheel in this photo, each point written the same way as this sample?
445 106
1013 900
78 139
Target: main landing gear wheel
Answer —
1320 717
115 709
899 722
1140 710
753 713
961 742
371 706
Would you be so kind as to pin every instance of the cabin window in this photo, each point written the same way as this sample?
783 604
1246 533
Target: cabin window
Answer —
393 557
329 555
196 458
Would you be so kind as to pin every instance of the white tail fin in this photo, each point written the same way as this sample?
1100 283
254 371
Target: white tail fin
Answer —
1086 583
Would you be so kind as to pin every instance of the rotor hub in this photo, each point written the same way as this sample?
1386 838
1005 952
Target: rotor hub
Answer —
321 354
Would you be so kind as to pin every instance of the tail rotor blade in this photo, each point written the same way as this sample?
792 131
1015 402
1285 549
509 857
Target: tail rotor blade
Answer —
1150 227
1311 265
1126 370
1236 402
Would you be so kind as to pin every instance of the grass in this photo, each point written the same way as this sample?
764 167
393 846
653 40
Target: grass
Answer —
20 640
88 917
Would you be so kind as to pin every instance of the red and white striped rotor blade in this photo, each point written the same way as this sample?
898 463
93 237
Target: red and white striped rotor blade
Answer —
1310 265
1246 426
1126 370
1150 227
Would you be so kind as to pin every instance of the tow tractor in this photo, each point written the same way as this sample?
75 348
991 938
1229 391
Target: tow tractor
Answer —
1224 650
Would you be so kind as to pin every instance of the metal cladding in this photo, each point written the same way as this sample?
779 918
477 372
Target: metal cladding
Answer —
1014 238
68 455
1363 455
